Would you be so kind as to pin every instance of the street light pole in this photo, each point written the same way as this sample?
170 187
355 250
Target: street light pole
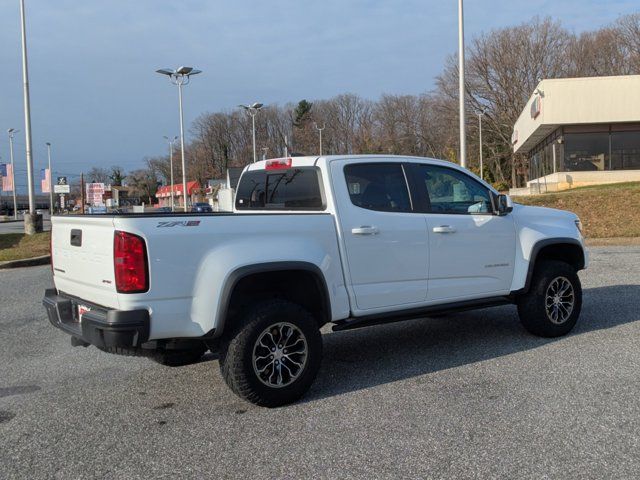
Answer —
12 132
180 77
463 141
27 117
50 180
320 131
252 111
171 141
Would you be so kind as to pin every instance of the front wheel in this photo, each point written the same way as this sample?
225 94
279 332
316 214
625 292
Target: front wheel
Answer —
552 305
273 356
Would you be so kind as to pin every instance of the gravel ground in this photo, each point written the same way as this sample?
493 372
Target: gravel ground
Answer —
470 396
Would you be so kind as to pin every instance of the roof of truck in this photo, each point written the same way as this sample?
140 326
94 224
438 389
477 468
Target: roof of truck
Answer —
314 160
310 161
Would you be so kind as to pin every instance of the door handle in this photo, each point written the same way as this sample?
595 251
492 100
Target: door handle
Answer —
365 230
444 229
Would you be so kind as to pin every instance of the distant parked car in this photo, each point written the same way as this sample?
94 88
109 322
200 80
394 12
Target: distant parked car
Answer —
201 207
163 210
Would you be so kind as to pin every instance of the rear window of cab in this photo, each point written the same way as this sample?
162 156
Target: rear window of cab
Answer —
280 189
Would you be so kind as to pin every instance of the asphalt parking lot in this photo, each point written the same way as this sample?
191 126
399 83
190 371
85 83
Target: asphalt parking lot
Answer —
470 396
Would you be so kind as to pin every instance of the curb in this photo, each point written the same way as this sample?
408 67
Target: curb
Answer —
26 262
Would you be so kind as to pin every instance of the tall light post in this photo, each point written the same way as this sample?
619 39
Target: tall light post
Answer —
50 180
463 138
320 129
480 115
252 111
12 132
171 142
31 224
180 77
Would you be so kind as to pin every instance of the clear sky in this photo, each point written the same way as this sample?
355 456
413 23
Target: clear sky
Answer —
96 98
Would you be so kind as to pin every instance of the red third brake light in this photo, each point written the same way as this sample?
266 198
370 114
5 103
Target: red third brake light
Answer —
130 263
278 163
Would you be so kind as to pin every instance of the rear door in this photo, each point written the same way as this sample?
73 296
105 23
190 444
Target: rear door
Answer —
83 257
384 240
471 250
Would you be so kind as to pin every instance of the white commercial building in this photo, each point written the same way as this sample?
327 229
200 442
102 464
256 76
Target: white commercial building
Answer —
580 131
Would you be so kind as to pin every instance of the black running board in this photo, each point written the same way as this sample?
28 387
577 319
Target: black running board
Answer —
392 317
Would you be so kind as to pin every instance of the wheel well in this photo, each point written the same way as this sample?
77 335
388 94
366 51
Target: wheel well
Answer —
565 252
303 287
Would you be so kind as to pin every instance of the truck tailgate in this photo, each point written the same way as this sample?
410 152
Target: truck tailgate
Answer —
82 257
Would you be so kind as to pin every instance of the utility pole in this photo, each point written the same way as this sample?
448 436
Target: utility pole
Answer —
82 190
463 138
480 115
320 129
50 180
31 223
11 132
171 141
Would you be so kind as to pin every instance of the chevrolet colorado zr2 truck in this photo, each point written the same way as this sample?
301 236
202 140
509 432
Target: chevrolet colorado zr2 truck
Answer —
347 240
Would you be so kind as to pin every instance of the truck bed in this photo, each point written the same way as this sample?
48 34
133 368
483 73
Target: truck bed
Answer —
189 257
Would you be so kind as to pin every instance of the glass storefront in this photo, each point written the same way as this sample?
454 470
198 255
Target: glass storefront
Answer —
585 152
587 148
625 150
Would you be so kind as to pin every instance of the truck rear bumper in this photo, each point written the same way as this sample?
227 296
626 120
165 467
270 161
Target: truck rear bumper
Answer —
99 326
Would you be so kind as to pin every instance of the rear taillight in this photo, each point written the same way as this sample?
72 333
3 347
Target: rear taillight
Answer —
130 263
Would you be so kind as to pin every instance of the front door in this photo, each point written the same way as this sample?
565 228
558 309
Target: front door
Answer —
471 250
385 242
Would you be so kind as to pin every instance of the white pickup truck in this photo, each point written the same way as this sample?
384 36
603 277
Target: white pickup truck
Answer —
347 240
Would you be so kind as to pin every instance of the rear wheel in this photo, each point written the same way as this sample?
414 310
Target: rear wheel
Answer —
273 356
552 305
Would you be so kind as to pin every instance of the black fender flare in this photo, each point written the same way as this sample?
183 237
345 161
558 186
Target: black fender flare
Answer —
535 250
237 275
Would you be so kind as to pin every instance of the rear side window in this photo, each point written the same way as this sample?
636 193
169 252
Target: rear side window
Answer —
287 189
378 186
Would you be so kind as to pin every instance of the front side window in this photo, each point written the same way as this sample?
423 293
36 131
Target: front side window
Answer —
451 191
287 189
378 186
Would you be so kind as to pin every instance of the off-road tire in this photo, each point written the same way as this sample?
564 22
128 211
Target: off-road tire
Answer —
237 350
532 305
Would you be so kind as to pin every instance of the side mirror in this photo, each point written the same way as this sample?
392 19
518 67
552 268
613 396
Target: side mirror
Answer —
505 204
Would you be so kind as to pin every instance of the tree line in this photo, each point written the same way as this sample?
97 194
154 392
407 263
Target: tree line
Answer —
502 70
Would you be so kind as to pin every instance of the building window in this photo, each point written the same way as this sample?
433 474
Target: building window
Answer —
586 152
625 151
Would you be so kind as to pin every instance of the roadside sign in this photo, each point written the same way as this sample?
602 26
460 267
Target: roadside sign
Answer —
62 186
95 191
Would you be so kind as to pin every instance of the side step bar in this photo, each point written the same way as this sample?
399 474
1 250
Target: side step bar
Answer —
392 317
